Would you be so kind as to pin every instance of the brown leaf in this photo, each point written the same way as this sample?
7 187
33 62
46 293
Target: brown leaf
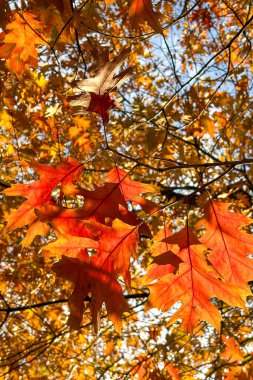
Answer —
95 92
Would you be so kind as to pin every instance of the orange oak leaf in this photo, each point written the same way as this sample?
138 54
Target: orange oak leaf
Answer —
64 221
232 351
163 264
164 259
39 192
142 10
105 204
193 285
95 92
90 279
73 235
131 190
79 133
36 228
21 41
116 245
67 171
229 244
71 246
158 244
237 372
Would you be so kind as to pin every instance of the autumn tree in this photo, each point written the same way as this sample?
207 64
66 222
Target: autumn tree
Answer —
126 189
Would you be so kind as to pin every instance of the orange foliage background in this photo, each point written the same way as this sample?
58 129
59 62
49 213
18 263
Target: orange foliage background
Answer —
126 189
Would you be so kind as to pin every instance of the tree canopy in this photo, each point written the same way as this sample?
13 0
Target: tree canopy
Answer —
126 189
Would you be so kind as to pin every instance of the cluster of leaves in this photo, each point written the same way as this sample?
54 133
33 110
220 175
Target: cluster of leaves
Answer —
152 99
105 224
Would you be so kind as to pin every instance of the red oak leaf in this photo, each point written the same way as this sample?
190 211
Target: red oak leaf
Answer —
141 11
64 221
115 245
98 203
90 279
105 204
67 171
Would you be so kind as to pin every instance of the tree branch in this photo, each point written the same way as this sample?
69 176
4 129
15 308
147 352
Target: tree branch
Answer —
63 300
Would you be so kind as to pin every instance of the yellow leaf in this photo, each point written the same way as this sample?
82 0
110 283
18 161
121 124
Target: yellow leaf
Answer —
20 42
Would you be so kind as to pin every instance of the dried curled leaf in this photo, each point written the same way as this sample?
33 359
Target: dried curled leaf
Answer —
93 94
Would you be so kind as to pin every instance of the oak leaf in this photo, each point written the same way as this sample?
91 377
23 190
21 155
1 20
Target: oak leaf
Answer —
232 351
67 171
142 10
159 244
106 202
21 41
64 221
109 2
40 192
71 246
36 228
193 285
109 202
116 245
95 92
90 279
230 245
131 190
97 274
103 204
173 371
164 259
